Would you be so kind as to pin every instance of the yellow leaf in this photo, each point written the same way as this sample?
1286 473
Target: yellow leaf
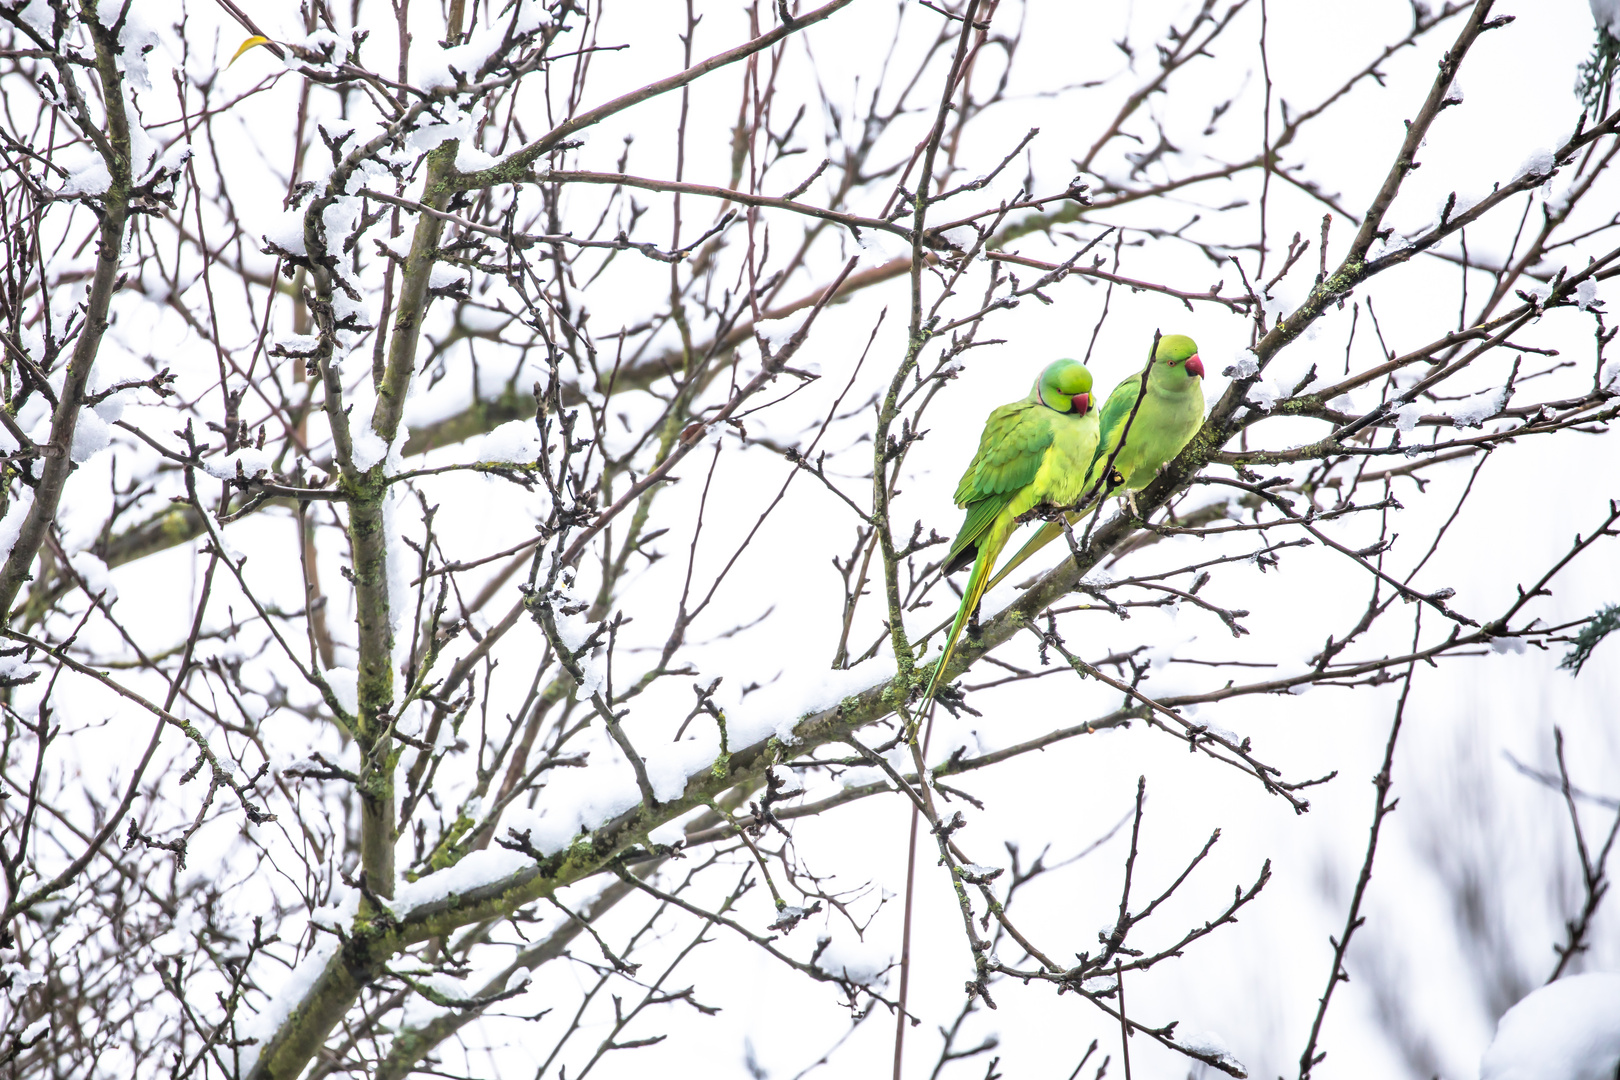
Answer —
248 44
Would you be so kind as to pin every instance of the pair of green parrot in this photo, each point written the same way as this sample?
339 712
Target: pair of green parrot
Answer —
1051 447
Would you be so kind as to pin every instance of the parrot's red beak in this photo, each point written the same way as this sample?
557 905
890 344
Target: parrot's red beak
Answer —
1195 366
1081 404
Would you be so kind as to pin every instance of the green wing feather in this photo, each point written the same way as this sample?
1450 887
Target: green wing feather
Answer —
1111 421
1015 436
1015 440
1168 418
980 516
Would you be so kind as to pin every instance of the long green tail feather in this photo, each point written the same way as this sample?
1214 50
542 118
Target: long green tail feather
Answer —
1043 536
978 582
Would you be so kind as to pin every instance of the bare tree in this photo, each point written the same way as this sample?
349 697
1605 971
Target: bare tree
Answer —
419 635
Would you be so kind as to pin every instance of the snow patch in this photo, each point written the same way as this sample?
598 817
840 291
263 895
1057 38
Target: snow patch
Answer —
253 462
516 442
671 832
801 691
323 43
476 870
575 630
447 277
1264 394
1407 416
22 978
1242 368
863 963
434 68
670 765
1276 309
1212 1045
367 448
91 435
137 40
1540 291
452 988
1606 14
1610 377
1098 578
777 332
339 219
471 159
12 667
576 800
91 179
39 18
94 573
399 581
111 407
1586 291
1476 410
299 345
879 247
457 125
286 232
1539 163
11 525
1569 1030
287 997
345 684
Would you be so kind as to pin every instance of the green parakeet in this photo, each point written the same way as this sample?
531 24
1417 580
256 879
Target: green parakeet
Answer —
1168 418
1033 452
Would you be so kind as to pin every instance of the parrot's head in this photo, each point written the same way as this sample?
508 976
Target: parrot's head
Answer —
1065 386
1178 354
